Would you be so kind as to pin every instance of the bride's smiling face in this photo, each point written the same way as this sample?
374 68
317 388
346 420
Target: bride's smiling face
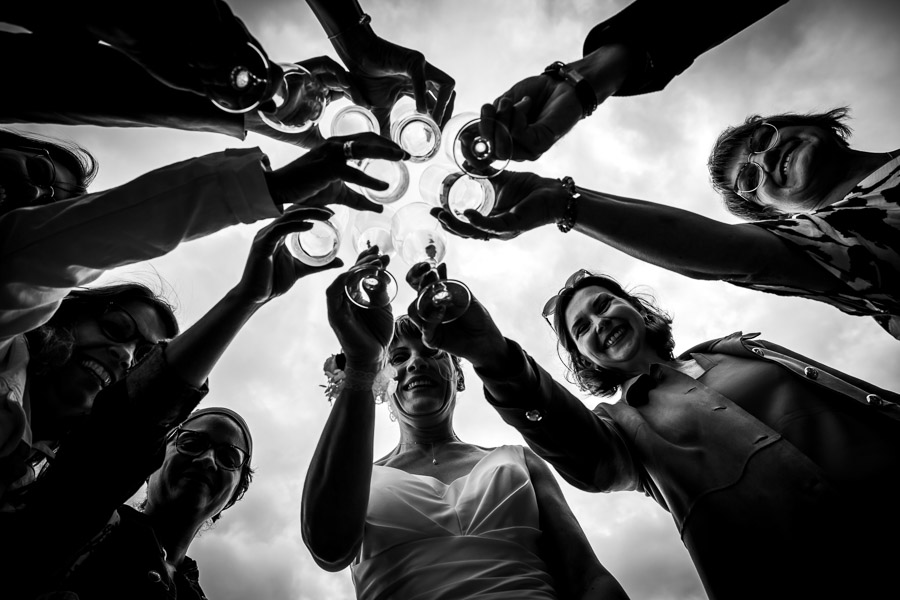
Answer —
426 379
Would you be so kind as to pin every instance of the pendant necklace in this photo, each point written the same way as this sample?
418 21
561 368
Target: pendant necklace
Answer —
434 460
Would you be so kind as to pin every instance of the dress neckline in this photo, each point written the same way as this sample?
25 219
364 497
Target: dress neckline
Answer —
475 466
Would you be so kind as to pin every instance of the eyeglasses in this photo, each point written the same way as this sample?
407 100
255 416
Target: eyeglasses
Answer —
194 443
42 172
751 175
120 326
551 304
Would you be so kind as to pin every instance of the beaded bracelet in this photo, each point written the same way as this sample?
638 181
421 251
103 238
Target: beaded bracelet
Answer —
567 222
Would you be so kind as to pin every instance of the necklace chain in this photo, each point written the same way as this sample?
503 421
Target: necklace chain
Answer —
434 460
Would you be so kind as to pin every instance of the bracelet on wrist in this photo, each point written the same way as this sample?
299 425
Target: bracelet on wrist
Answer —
570 214
583 90
364 19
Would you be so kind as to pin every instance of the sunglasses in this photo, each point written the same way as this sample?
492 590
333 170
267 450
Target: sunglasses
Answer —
551 304
42 172
194 443
119 326
751 175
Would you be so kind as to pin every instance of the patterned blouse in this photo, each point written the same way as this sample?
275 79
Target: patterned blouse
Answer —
856 239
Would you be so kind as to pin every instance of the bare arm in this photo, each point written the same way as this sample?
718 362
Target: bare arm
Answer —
694 245
577 572
336 490
669 237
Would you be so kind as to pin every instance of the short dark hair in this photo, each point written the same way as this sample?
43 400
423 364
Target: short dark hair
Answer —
404 326
735 138
76 159
50 345
584 373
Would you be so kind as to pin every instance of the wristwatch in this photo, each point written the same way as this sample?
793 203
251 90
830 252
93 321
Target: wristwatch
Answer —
560 72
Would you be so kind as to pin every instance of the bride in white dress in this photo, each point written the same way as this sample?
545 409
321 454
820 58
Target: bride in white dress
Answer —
437 518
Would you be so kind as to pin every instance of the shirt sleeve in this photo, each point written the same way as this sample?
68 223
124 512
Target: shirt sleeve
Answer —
586 447
46 251
127 97
856 243
200 36
673 35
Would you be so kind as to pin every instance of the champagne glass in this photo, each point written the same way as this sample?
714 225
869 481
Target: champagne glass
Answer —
247 83
300 100
413 131
419 238
320 244
343 117
394 172
445 186
371 285
472 152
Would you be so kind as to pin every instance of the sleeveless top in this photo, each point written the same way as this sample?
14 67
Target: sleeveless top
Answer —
475 538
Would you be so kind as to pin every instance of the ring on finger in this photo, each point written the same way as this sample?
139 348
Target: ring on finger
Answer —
348 149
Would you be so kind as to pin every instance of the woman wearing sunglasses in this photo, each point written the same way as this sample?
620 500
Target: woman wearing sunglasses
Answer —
436 517
825 216
773 467
124 432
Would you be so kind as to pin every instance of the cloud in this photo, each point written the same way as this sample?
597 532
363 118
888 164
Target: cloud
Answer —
807 55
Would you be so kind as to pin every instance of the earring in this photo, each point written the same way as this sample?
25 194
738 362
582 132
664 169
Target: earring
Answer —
391 414
460 384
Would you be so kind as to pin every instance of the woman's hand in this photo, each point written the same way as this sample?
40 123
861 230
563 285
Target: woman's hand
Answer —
271 270
525 201
383 71
298 182
473 336
364 333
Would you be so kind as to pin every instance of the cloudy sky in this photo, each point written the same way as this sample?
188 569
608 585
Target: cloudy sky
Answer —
809 55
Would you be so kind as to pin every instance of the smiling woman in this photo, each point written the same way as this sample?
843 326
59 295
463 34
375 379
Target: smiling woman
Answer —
87 345
833 216
754 450
436 515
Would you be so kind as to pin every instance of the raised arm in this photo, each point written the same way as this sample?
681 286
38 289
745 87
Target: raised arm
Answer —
669 237
72 500
638 50
585 447
577 572
45 251
127 95
336 489
381 70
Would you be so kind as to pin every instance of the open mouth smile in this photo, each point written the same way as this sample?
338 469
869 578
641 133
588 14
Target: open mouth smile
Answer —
614 336
99 371
419 382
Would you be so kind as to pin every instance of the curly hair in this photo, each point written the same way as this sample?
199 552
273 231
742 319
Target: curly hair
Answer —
405 327
51 344
735 138
580 370
73 157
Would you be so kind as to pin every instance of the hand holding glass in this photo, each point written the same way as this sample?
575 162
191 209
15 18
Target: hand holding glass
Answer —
470 150
420 238
371 285
300 101
449 188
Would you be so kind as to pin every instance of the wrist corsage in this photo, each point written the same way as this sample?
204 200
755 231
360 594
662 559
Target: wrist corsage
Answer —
382 383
